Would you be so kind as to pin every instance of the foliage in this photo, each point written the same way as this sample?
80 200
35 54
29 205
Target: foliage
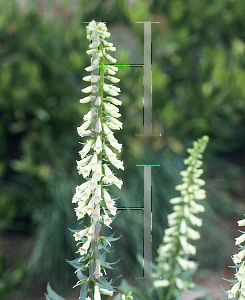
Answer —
198 75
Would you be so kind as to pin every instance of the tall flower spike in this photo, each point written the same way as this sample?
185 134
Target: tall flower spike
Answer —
174 253
238 289
92 198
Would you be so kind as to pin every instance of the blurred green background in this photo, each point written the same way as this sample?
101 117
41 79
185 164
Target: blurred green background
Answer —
198 60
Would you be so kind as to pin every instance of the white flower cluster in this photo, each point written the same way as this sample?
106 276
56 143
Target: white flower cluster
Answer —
238 289
98 291
92 198
175 251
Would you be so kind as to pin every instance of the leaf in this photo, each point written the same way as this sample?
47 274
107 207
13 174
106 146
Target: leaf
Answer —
224 292
236 266
104 246
74 230
112 239
51 294
108 265
116 278
74 263
105 284
80 275
84 291
232 281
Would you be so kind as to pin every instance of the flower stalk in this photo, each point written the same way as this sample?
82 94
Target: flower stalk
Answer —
174 264
92 198
238 289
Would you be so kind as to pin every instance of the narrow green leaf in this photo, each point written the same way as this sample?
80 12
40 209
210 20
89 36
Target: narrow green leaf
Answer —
224 292
108 265
47 297
80 275
84 290
105 284
52 295
114 280
75 264
232 281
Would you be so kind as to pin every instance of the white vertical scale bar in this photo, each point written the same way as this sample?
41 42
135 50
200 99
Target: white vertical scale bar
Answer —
147 107
147 222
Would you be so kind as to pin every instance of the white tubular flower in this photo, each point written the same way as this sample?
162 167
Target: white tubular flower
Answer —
97 271
107 198
106 129
98 171
112 210
161 283
87 78
94 161
85 149
80 212
110 107
97 293
180 283
108 174
83 127
186 264
85 170
188 248
107 219
85 99
89 235
232 293
195 220
83 162
117 182
98 145
89 207
241 222
114 100
96 213
237 258
116 162
192 234
88 89
82 250
106 292
115 122
82 187
86 193
97 194
110 58
80 234
76 198
109 90
176 249
113 79
98 101
88 116
109 153
91 68
240 239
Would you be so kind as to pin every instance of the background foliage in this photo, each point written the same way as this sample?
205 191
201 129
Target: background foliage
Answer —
198 88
